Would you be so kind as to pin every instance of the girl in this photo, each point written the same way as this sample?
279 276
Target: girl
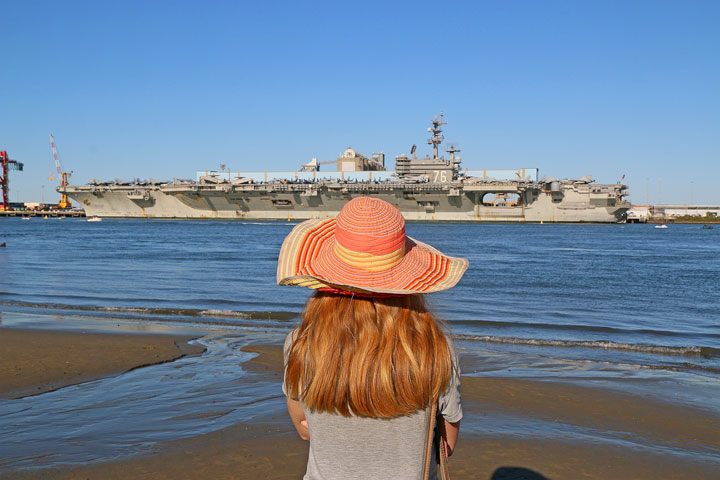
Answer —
368 362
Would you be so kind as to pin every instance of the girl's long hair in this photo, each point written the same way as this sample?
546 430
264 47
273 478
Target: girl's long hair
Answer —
368 357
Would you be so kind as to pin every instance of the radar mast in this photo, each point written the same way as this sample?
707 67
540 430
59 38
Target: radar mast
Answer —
437 138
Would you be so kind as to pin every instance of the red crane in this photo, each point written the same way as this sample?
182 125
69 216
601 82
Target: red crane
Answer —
7 165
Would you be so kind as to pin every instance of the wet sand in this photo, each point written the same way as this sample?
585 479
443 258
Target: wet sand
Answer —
39 361
272 450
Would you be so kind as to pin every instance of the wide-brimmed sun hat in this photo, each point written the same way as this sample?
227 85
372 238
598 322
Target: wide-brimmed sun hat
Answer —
365 250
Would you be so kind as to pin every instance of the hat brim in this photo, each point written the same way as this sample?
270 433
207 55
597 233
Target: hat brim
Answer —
307 259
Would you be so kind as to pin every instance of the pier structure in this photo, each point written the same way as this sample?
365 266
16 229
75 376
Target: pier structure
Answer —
42 213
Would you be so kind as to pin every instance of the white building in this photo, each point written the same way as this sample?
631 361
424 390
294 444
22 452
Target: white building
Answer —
641 213
672 211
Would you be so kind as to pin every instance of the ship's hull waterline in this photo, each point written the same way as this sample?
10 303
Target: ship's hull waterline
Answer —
456 201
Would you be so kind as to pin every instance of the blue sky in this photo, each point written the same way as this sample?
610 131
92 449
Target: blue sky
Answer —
160 89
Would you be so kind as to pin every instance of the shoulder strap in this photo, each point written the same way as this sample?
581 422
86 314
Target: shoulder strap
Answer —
434 439
430 420
442 456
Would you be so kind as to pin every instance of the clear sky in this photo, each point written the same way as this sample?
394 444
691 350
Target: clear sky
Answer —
160 89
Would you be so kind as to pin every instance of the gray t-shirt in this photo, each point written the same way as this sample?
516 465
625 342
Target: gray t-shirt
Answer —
372 448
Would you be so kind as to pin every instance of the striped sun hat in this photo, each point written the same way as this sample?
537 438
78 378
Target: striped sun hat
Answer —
364 250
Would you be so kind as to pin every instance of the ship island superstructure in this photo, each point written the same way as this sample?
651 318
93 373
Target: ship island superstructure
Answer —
432 188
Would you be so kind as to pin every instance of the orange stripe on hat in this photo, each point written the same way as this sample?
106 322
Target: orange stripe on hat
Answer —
369 243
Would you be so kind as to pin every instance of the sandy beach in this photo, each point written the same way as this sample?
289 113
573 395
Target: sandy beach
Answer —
33 361
39 361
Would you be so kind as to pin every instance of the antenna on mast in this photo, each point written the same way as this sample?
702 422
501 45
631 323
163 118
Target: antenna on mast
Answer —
452 150
437 138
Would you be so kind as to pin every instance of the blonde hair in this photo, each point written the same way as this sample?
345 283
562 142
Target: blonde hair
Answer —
369 357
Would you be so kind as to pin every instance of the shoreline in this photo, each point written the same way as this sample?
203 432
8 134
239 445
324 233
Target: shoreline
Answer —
33 361
500 442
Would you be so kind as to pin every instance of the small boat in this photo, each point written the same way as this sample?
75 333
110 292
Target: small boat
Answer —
94 218
662 225
707 227
26 218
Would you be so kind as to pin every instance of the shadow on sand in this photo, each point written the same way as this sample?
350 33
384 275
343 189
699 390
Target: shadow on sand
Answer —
516 473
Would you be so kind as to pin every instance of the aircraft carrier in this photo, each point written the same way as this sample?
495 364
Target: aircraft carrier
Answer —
432 188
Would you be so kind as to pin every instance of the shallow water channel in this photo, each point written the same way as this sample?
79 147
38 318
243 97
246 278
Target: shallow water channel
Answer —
124 414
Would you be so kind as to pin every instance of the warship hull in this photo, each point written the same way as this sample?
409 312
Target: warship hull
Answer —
569 202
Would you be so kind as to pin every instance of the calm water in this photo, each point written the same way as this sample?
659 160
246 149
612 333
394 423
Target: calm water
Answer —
623 305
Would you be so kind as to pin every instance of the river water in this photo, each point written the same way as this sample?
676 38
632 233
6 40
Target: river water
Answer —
625 306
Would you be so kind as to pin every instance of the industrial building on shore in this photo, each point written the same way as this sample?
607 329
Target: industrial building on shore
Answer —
644 213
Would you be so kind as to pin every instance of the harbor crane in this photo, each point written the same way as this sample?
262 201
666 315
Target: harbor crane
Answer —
7 165
314 166
64 201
